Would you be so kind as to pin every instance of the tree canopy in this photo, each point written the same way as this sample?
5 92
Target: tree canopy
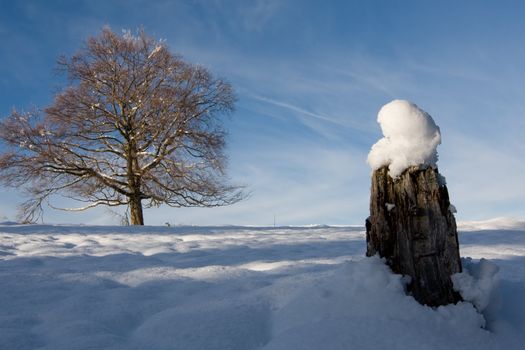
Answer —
135 126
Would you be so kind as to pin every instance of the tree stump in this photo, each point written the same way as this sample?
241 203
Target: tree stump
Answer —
411 224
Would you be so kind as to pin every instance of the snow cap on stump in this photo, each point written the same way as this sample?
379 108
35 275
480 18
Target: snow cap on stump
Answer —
410 138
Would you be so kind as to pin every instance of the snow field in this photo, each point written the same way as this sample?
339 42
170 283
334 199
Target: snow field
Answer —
79 287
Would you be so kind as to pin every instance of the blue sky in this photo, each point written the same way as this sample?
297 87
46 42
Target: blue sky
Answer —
310 78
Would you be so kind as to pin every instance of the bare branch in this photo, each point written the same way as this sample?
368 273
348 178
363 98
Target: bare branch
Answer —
136 126
92 205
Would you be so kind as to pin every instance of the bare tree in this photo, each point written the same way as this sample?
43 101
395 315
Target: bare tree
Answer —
135 126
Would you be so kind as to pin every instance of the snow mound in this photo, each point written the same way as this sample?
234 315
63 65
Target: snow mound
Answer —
410 138
477 282
350 307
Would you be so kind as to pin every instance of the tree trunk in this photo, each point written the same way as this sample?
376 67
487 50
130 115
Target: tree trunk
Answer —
135 208
411 225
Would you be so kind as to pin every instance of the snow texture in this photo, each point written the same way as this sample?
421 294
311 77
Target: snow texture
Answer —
410 138
82 287
477 282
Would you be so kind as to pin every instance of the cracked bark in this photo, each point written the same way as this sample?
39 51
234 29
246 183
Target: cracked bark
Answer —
417 235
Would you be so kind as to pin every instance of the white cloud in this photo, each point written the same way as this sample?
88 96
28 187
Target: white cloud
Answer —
485 179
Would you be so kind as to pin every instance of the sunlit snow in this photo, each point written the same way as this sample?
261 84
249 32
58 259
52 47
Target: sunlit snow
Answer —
410 138
82 287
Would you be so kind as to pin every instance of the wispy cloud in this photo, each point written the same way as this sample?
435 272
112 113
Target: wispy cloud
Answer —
258 13
325 125
306 183
310 80
299 110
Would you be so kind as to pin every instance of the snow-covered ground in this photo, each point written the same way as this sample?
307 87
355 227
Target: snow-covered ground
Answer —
81 287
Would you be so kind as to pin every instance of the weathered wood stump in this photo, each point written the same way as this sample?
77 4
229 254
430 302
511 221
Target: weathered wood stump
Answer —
411 224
